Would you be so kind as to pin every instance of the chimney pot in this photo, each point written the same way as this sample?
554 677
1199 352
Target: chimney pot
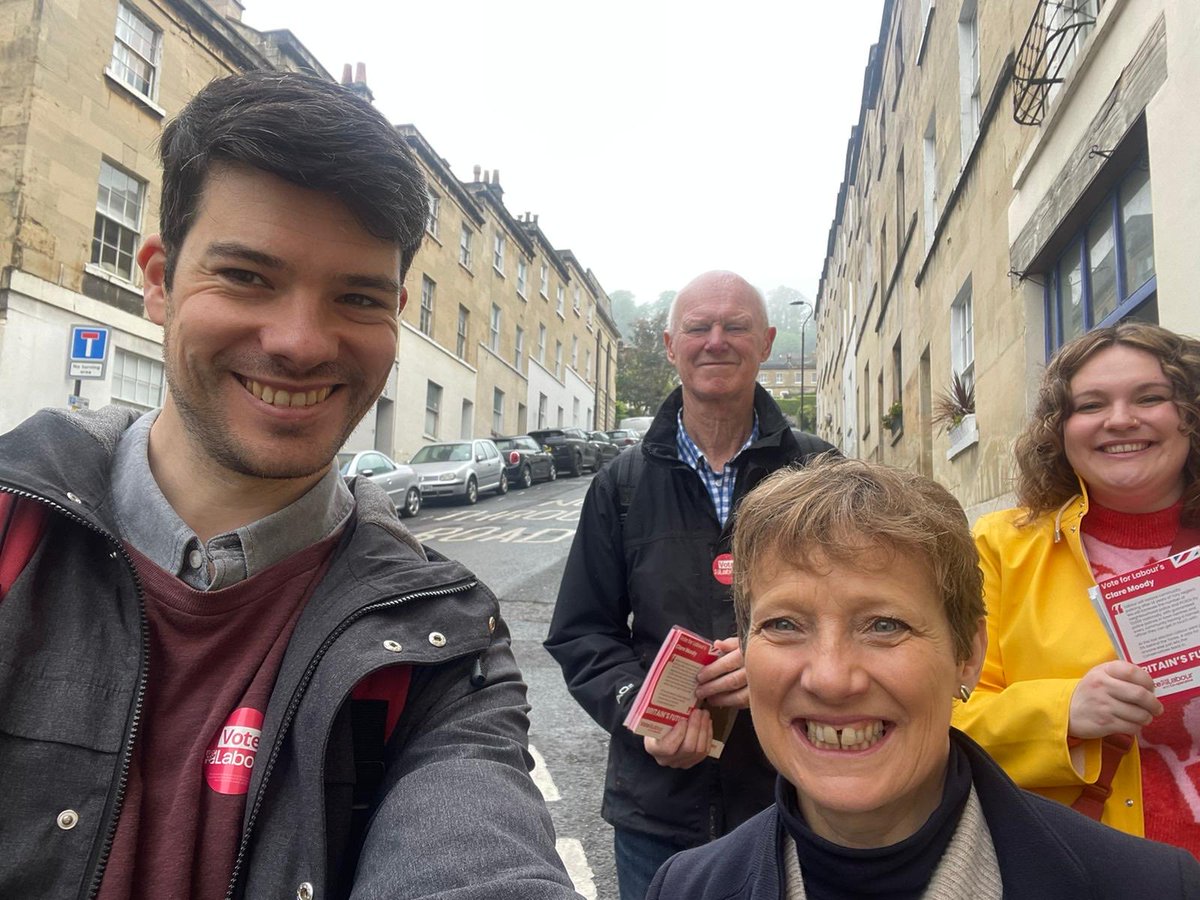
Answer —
360 73
495 176
477 171
346 76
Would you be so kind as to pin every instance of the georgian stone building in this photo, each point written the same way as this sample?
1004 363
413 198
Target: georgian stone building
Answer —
1020 172
85 88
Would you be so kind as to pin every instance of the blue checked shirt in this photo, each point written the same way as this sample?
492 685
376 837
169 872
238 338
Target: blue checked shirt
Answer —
718 484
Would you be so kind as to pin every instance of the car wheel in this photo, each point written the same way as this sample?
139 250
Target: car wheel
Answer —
576 464
553 474
526 476
472 493
502 487
412 503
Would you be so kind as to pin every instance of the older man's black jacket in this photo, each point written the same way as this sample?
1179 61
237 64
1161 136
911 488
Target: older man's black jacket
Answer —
658 566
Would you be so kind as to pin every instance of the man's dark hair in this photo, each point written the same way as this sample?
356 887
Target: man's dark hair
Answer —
305 130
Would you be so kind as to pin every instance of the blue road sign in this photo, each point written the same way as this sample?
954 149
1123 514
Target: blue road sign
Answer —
88 351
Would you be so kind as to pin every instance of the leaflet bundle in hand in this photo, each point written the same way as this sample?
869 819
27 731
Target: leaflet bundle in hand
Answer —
668 695
1152 615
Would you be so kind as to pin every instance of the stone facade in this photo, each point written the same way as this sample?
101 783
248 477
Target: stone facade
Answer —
954 249
783 377
85 88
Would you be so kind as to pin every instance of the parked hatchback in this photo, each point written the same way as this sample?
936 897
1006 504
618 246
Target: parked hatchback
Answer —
608 448
573 451
625 437
526 460
460 469
400 481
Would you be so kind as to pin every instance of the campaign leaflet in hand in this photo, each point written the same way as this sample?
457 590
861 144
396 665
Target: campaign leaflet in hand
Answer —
668 695
1153 618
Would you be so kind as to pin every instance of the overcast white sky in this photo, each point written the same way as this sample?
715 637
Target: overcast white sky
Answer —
655 139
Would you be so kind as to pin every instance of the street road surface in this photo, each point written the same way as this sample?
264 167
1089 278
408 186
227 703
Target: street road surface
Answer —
517 544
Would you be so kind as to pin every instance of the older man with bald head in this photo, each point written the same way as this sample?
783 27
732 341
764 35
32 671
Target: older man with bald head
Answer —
653 550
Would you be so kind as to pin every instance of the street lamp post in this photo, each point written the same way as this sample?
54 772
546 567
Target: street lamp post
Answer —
803 335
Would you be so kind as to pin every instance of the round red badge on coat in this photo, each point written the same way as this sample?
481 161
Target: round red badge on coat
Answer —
229 759
723 568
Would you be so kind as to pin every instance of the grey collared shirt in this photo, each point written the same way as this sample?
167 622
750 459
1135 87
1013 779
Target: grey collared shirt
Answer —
150 524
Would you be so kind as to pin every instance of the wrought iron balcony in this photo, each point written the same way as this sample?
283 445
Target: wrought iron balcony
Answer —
1056 32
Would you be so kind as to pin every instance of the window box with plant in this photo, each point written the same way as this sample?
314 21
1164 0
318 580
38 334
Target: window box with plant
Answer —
893 419
954 411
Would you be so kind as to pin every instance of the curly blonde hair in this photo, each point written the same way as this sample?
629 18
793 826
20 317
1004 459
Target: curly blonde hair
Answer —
1045 479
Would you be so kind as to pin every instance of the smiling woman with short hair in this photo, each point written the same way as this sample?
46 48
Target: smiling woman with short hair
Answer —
859 606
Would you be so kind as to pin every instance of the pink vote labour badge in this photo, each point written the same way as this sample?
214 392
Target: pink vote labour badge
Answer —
723 568
229 759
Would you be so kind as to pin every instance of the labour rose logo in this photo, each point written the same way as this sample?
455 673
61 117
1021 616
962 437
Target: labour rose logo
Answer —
229 759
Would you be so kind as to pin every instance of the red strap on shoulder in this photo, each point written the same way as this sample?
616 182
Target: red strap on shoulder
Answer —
21 525
390 685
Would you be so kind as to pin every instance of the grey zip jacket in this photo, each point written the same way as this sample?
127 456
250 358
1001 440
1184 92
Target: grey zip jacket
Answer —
456 813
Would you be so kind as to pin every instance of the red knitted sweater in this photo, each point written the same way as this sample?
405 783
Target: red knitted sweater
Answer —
1170 745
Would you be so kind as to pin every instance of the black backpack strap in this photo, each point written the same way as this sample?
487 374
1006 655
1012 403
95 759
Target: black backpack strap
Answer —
628 469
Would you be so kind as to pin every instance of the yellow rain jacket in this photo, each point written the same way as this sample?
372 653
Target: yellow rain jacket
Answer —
1043 636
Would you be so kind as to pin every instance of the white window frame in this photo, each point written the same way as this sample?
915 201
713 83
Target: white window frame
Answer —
929 181
962 334
560 298
575 352
433 408
498 253
464 330
137 381
541 345
518 348
544 286
435 206
969 91
558 360
464 247
494 330
497 411
126 50
575 299
120 198
522 275
428 290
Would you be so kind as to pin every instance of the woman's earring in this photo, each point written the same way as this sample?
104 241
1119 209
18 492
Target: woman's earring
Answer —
964 693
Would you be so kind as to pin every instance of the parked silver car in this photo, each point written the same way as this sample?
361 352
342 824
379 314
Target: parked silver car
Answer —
400 481
460 469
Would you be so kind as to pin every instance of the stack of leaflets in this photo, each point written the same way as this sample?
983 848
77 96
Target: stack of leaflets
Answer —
668 695
1152 615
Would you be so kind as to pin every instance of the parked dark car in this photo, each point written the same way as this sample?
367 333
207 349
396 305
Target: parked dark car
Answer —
573 450
526 460
607 446
400 481
625 437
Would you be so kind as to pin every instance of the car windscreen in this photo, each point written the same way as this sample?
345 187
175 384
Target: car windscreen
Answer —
443 453
506 445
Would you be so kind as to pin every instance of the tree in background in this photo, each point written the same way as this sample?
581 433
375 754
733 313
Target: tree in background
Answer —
787 320
624 310
644 377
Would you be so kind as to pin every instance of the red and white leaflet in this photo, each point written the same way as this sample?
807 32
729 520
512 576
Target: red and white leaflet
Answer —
668 695
1153 617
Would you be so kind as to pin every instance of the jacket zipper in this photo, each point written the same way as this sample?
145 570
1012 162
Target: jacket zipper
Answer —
298 695
140 695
